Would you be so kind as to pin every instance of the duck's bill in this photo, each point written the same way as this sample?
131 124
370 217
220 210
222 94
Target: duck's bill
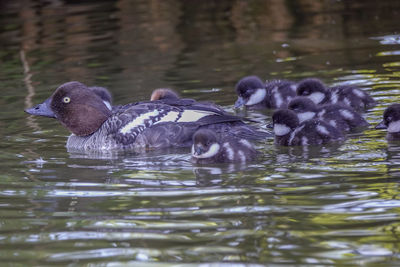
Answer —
42 109
381 125
239 102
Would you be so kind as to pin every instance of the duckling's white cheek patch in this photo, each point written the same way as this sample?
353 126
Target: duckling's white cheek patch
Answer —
139 121
394 127
281 129
211 152
257 97
303 116
317 97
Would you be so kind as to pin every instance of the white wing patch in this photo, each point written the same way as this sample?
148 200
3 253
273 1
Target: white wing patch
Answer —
346 114
278 99
321 113
333 123
171 116
303 116
257 97
359 93
246 143
242 157
293 134
229 151
347 101
194 115
148 119
138 121
322 130
304 141
334 97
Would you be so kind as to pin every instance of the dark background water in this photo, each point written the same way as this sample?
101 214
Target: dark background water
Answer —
333 207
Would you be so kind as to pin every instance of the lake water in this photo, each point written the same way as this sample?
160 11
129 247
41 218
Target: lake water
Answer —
337 206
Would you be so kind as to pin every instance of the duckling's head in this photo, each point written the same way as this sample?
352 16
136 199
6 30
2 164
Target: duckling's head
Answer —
250 90
205 144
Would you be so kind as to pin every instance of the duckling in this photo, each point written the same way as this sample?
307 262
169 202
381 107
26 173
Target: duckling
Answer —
290 132
339 116
104 94
163 93
391 122
350 96
210 147
255 94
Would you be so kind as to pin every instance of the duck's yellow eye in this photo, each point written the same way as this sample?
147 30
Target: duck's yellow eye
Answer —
66 100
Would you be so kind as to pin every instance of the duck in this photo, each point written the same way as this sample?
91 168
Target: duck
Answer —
339 116
290 132
391 122
320 94
210 147
145 124
255 94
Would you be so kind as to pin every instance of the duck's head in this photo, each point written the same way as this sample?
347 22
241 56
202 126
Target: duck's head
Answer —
250 90
205 144
76 106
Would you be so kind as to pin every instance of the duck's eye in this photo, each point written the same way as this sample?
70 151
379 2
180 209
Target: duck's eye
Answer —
66 100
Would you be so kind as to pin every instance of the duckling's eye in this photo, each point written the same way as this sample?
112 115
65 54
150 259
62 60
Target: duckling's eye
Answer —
305 92
66 100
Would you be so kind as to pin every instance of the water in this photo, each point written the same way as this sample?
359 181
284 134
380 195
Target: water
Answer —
339 206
